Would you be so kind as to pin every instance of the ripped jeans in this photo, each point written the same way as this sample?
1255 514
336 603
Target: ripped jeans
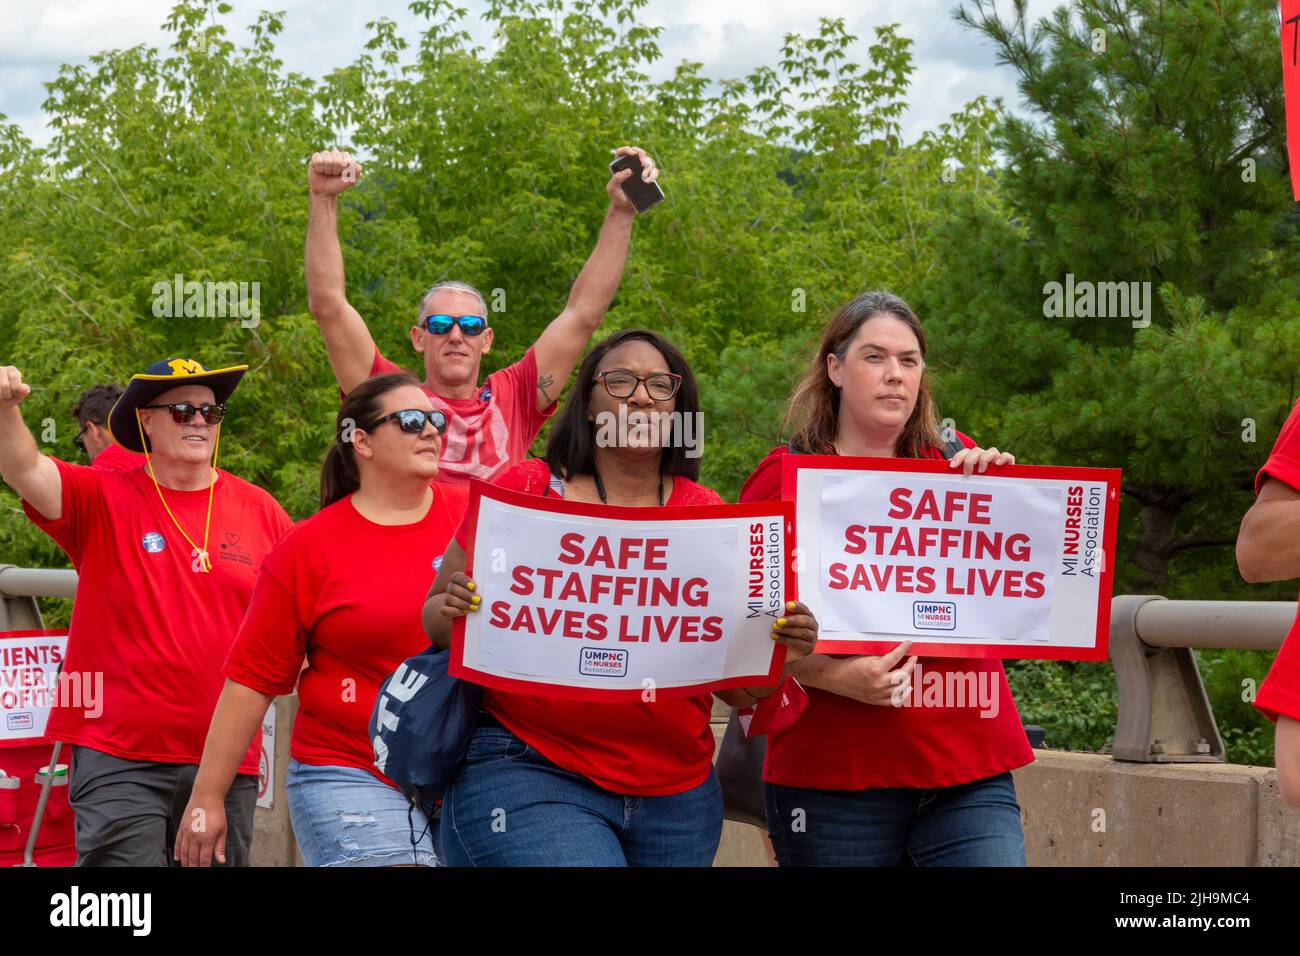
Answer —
343 816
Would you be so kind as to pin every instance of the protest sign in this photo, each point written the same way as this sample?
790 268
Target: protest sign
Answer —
594 602
29 683
1014 563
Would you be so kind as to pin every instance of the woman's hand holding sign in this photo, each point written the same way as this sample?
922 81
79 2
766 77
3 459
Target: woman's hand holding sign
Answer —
869 678
797 630
461 597
975 457
451 595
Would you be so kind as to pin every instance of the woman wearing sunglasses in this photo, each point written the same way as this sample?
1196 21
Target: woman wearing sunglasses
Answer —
582 783
339 593
856 781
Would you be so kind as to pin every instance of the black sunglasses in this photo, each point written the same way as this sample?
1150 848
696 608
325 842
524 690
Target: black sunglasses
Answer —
78 441
182 412
412 420
469 324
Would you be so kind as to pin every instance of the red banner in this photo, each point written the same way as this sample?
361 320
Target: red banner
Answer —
1291 87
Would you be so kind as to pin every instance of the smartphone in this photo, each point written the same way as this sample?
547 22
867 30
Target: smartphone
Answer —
642 195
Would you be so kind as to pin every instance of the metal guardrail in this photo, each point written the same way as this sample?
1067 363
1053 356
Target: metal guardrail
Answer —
19 589
1164 713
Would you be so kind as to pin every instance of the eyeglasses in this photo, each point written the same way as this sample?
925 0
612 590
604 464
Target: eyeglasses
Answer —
183 412
620 383
78 442
469 324
412 420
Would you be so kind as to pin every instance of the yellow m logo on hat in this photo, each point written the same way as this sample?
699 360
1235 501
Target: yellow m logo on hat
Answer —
185 367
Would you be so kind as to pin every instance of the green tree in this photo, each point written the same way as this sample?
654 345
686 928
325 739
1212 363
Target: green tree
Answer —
1153 153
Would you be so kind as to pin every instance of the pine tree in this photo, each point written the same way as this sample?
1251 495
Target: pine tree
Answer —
1153 152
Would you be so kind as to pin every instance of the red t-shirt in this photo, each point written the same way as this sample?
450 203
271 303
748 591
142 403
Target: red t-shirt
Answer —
491 431
842 744
640 749
346 594
117 458
143 618
1280 692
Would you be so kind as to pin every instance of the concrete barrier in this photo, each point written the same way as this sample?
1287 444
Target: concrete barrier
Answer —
1078 810
1090 810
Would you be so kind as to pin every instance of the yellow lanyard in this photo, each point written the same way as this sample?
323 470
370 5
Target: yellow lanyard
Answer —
207 523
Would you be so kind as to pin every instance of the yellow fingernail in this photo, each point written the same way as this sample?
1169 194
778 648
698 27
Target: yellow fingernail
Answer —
476 598
789 605
780 622
470 586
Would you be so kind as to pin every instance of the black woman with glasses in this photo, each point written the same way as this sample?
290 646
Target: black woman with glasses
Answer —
577 782
339 593
166 556
490 426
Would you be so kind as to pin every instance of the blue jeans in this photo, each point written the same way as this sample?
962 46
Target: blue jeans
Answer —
972 824
343 816
510 806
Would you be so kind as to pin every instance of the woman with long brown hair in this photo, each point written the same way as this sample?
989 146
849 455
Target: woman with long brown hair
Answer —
341 591
856 781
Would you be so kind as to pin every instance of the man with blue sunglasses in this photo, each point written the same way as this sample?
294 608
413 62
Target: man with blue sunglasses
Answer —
490 426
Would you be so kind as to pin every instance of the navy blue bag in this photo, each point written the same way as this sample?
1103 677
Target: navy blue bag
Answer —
421 726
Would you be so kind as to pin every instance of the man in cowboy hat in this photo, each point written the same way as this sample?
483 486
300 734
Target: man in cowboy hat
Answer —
166 557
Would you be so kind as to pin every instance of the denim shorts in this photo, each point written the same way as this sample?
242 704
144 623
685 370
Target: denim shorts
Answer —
972 824
343 816
510 806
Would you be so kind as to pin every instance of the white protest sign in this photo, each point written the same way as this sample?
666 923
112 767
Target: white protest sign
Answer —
601 603
1014 563
30 685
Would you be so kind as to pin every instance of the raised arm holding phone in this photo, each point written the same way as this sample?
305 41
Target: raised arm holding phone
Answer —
490 425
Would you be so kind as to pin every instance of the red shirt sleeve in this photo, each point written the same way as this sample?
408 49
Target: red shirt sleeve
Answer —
453 499
272 641
1284 461
1279 695
378 366
765 482
381 365
83 504
515 388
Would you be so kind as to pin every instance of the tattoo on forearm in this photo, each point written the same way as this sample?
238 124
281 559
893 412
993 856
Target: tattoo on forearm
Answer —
543 383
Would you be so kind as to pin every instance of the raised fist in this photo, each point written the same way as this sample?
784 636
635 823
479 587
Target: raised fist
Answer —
12 387
332 171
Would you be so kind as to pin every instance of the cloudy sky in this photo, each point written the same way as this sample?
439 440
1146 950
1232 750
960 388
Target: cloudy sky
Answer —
730 37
